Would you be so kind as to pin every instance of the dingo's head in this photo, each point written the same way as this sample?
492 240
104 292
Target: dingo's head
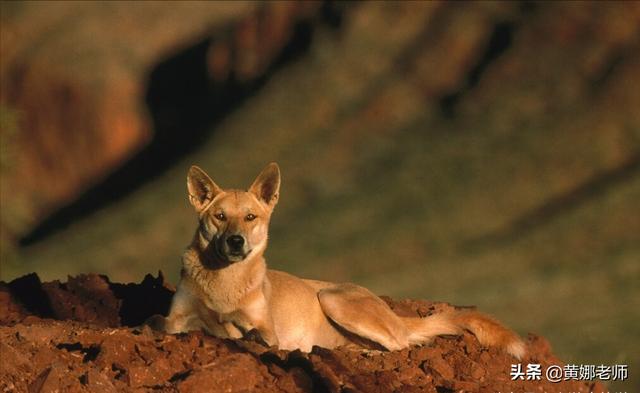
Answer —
233 223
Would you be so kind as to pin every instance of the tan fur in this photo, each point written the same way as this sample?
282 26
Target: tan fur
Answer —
227 290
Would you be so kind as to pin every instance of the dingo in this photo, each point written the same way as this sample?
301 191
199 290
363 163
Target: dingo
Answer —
226 289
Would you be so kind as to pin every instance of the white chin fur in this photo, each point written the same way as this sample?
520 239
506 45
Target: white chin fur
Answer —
204 242
258 248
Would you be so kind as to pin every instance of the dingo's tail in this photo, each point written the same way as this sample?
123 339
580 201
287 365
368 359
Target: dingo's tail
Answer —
488 331
422 330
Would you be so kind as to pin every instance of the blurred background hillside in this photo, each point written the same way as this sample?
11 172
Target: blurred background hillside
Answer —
478 153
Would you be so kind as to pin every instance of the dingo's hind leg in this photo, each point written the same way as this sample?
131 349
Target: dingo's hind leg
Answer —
360 312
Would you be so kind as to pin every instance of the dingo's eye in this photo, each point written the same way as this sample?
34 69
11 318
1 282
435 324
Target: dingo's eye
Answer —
220 216
250 217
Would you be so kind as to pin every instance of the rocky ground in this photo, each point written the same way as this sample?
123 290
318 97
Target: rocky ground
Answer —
86 335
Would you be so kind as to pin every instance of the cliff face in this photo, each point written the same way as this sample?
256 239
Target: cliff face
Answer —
75 79
79 90
83 335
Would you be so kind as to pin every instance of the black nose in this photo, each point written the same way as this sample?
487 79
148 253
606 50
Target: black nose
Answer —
235 242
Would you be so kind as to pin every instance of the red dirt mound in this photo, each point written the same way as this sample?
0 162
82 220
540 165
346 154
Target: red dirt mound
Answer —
85 335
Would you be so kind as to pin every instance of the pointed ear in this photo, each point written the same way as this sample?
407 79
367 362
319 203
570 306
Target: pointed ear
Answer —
267 185
201 188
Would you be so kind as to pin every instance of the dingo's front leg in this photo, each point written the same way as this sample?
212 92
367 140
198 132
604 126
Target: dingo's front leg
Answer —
189 313
238 324
255 314
183 314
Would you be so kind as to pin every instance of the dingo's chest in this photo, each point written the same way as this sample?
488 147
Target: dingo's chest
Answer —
223 290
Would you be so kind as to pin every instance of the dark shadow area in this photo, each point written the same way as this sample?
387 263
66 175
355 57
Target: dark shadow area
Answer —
90 353
89 298
297 360
185 106
29 292
615 60
141 301
561 204
499 41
